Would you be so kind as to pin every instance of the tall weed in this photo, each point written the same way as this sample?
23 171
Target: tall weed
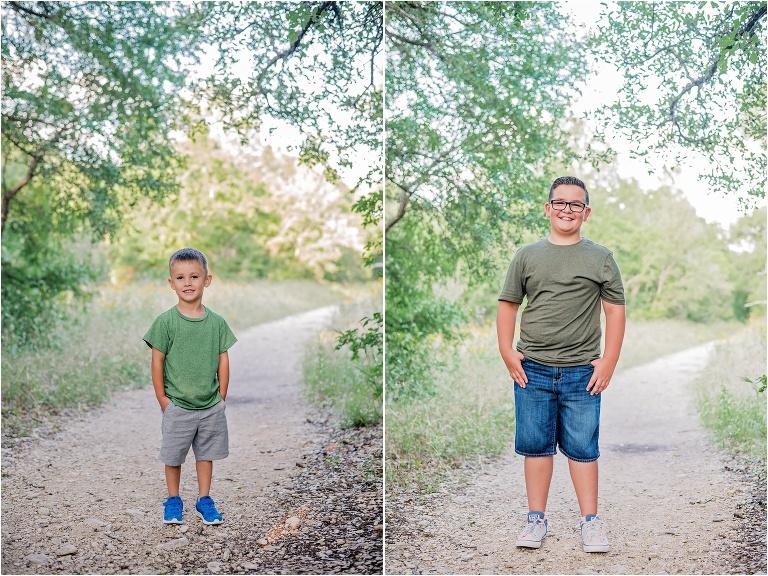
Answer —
343 370
732 397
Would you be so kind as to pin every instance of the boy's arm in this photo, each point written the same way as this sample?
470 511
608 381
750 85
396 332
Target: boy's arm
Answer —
223 374
505 332
615 321
158 379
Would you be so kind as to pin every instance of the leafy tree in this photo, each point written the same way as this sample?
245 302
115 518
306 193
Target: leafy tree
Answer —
748 237
255 216
694 82
673 263
312 64
477 98
89 101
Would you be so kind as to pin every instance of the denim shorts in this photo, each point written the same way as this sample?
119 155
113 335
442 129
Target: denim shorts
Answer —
204 430
554 409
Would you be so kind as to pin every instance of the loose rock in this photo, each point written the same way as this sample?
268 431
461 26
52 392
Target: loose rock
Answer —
94 522
66 550
39 559
170 545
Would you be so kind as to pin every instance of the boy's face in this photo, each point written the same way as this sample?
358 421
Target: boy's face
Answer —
567 221
188 280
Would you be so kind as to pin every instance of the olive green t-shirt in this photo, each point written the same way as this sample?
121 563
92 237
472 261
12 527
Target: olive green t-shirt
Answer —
191 347
560 325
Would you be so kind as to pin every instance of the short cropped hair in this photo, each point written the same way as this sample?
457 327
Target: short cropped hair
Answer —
188 255
569 181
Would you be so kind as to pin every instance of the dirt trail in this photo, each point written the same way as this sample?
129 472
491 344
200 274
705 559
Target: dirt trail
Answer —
89 499
665 495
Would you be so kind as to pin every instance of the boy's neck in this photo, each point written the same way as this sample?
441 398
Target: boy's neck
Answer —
560 240
191 309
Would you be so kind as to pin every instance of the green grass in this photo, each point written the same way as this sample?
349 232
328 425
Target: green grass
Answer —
101 351
730 402
349 389
471 417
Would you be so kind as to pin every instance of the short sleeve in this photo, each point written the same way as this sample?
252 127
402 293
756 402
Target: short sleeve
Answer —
226 338
612 288
157 336
514 284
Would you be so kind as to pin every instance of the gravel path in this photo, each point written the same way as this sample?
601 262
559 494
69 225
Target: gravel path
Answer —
297 496
669 499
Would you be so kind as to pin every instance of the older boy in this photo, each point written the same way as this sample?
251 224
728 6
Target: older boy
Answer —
190 374
557 367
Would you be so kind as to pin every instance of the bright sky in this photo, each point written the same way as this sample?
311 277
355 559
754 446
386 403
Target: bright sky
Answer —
602 89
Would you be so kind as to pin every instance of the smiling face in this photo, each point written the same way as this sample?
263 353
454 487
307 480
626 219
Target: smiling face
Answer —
566 223
188 280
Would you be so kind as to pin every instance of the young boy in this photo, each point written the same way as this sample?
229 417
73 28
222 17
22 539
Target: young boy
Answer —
190 374
557 367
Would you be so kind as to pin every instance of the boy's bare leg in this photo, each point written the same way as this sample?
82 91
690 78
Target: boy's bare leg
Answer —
584 478
538 476
204 476
173 479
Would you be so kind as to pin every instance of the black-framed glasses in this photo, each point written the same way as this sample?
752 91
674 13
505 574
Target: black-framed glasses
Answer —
561 204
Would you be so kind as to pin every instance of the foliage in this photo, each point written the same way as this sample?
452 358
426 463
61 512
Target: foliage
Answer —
731 394
370 340
253 215
42 275
93 91
89 101
710 62
470 417
314 65
673 264
477 98
748 264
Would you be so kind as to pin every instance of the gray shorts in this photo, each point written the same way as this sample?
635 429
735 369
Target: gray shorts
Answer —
204 430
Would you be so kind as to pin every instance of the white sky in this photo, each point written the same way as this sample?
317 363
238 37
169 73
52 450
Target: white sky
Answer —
602 89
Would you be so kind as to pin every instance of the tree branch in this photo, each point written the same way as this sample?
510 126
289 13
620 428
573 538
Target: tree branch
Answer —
709 74
294 45
405 196
19 8
10 194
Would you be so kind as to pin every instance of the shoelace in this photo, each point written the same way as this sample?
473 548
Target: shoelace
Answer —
531 527
173 507
593 530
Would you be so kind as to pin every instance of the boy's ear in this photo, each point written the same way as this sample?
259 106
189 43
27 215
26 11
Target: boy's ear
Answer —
170 283
208 280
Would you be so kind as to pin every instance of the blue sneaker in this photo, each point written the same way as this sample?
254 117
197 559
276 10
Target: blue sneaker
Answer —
206 509
173 510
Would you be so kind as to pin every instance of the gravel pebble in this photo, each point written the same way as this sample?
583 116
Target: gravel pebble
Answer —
66 550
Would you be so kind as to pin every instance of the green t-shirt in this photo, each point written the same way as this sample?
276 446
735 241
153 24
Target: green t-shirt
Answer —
191 347
560 325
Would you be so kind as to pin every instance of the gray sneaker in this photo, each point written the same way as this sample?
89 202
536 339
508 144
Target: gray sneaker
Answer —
533 533
593 536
